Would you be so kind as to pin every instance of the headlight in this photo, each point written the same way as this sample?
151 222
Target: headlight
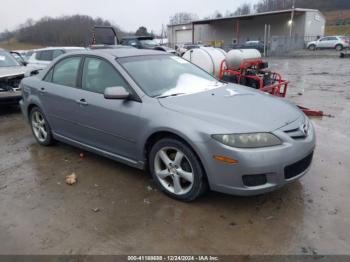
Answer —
254 140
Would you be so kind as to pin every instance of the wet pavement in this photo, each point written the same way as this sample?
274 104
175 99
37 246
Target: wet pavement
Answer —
114 209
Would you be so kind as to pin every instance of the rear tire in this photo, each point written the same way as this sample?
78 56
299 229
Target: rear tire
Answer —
176 170
40 127
339 47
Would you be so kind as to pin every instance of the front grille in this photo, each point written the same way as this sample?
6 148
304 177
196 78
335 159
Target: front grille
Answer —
296 134
254 180
298 168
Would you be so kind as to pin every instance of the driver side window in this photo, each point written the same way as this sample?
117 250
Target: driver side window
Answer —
99 74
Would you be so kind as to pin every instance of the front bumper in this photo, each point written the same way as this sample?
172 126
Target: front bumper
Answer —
273 167
10 97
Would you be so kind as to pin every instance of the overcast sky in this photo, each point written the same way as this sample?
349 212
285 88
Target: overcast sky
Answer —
128 14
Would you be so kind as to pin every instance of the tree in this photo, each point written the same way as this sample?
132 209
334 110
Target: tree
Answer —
182 18
66 30
244 9
323 5
142 31
217 14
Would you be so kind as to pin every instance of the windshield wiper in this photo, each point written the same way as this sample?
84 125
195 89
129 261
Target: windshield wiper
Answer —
176 94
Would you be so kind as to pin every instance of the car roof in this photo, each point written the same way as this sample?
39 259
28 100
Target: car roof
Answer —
60 47
121 52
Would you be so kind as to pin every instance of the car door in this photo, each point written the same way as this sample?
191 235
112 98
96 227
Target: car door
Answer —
332 42
323 42
60 96
109 125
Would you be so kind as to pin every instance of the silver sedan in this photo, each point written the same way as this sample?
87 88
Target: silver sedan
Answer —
156 111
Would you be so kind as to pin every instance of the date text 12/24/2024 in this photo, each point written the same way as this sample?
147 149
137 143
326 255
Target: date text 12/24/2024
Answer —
173 258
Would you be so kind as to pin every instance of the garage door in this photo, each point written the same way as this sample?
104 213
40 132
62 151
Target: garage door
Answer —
183 36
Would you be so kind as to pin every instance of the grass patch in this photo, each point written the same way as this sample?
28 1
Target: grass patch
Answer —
338 30
15 45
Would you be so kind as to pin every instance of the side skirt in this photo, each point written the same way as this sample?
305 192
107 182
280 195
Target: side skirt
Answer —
118 158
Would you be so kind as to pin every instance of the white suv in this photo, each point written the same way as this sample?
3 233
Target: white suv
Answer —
41 58
334 42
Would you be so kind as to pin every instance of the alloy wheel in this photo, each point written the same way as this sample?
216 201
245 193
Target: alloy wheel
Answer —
39 126
174 170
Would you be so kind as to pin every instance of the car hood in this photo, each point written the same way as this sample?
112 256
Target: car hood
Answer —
12 71
236 109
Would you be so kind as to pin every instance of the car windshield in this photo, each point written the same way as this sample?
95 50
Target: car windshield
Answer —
165 75
7 60
148 42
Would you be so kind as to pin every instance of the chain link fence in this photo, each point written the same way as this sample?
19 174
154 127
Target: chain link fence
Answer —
275 46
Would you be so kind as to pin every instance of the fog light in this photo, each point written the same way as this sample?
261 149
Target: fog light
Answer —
226 160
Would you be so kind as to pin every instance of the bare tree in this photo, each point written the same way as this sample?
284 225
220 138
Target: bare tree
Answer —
244 9
66 30
182 18
324 5
217 14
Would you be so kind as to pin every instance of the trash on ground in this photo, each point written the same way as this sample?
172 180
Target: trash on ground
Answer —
72 179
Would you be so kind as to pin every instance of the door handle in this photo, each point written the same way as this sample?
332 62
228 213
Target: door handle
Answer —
82 102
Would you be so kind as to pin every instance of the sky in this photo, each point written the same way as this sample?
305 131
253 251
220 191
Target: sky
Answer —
128 14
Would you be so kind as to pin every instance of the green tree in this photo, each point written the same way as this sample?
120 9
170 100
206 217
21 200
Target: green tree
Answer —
142 31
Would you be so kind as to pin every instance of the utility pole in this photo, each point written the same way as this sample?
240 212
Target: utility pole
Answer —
292 20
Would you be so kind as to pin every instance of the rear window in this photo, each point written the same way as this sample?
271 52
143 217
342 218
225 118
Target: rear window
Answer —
44 55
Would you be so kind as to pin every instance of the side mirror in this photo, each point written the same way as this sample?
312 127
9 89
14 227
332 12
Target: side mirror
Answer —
118 92
24 63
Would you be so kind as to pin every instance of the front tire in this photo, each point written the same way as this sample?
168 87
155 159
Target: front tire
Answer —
40 127
312 47
176 170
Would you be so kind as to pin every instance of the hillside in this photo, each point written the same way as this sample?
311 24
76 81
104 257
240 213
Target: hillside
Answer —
74 30
338 22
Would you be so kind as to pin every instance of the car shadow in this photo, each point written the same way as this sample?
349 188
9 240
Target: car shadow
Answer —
7 110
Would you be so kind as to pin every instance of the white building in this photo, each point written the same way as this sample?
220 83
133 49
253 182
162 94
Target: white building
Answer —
305 24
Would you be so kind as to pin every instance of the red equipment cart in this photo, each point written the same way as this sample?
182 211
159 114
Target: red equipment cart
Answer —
253 73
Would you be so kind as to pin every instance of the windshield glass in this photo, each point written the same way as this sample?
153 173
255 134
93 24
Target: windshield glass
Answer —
165 75
6 60
148 42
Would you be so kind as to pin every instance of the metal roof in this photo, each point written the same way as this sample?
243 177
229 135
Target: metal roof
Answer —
206 21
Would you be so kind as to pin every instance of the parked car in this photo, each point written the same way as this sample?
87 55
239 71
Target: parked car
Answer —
20 59
329 42
102 46
11 74
41 58
145 42
259 45
25 54
149 109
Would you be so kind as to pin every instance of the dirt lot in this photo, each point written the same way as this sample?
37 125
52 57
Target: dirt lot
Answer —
40 214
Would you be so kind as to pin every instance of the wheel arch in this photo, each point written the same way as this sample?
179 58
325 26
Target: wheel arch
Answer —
158 135
30 107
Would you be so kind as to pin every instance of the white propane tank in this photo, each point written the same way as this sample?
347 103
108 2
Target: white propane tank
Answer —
236 56
207 58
